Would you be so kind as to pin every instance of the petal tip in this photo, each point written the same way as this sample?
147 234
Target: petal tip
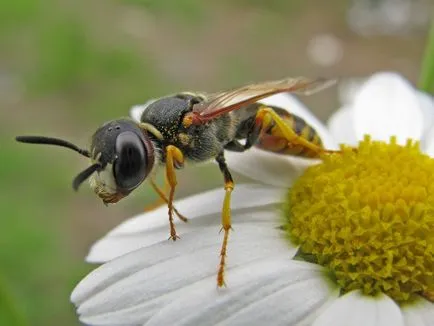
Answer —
387 105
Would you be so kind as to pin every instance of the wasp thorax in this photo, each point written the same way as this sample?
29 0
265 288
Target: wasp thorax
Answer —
126 155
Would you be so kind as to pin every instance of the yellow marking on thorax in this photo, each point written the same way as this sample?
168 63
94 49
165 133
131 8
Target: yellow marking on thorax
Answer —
154 131
184 139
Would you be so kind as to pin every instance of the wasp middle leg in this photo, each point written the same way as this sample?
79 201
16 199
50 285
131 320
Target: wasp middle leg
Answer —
174 159
226 216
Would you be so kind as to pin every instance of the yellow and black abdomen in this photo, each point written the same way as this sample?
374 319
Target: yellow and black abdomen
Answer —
274 141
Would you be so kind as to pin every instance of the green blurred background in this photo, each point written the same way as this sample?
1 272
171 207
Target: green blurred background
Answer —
68 66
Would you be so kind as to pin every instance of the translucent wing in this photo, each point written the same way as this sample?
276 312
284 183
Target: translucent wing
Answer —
223 102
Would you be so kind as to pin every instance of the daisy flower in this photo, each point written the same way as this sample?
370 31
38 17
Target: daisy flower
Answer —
348 240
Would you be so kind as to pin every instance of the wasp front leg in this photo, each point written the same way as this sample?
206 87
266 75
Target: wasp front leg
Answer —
226 216
162 198
174 159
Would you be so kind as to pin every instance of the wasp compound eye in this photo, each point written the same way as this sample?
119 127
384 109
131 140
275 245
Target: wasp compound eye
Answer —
130 166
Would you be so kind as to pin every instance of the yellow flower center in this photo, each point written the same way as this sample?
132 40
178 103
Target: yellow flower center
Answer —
368 216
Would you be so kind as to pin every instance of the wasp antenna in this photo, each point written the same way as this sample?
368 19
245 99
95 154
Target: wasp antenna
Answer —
83 175
51 141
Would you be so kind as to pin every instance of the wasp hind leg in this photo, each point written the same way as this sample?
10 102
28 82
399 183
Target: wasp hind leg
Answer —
174 159
226 216
266 118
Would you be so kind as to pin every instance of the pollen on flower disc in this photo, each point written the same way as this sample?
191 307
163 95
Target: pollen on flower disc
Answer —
367 214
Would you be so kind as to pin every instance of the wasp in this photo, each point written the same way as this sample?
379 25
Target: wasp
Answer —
193 127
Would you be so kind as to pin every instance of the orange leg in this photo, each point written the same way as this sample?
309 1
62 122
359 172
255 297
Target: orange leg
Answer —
160 200
429 295
164 199
226 217
174 158
266 116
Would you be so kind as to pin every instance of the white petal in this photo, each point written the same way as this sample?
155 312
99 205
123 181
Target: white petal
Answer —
387 105
113 246
268 168
137 110
421 313
427 106
248 241
426 103
276 291
203 209
356 309
348 88
203 204
428 146
341 126
263 285
149 278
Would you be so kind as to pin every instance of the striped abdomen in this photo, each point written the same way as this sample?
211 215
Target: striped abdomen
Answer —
274 141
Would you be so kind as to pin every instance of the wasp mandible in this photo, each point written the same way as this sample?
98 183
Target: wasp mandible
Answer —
193 127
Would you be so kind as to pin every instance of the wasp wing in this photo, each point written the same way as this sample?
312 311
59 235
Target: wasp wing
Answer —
223 102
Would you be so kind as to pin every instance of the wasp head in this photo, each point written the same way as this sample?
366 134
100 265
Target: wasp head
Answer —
122 156
125 156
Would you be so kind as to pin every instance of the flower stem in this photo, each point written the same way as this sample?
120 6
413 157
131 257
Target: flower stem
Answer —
426 81
10 313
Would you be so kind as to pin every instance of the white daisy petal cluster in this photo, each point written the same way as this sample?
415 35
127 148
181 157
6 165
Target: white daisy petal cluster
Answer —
147 280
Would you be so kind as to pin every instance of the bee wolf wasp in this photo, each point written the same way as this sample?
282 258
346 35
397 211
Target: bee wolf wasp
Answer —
193 127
